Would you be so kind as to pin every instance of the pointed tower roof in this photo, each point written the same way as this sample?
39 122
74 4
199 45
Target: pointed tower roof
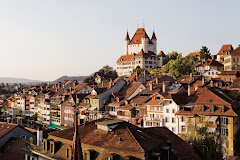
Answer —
127 37
137 38
161 54
154 36
76 147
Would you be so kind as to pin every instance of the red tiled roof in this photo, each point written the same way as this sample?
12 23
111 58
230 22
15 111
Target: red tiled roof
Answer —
212 62
229 72
137 38
236 51
5 128
194 54
225 47
161 54
134 139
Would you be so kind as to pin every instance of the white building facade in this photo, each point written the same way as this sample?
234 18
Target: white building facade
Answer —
139 51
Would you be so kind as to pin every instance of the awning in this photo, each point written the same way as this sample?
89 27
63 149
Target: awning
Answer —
20 117
92 108
55 118
213 118
53 126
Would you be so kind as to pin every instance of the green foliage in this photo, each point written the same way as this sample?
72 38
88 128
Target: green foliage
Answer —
108 70
90 80
31 140
172 56
138 69
205 53
155 72
179 67
207 145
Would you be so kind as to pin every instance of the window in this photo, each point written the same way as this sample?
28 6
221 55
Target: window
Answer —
68 156
224 131
151 108
182 119
108 158
51 148
152 115
170 102
173 129
223 120
166 119
23 137
173 120
28 157
173 110
183 128
44 146
167 110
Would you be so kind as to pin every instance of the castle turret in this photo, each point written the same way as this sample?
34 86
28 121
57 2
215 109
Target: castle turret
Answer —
154 41
127 40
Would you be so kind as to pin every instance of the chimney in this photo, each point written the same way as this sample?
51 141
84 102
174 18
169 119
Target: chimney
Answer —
163 88
196 87
189 90
211 83
191 75
110 83
144 74
151 86
39 136
203 81
117 99
156 79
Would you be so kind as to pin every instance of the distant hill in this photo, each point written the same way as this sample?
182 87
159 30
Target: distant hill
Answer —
77 78
17 80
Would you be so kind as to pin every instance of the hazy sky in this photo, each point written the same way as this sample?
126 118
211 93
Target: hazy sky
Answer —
45 39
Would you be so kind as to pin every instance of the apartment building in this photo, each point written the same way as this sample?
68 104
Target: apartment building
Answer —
218 109
232 60
225 50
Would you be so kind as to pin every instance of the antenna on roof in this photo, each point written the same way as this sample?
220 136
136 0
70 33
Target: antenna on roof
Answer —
143 24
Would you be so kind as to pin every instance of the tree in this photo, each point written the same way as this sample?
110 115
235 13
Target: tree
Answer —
172 56
205 53
138 69
179 67
207 145
108 70
105 69
90 80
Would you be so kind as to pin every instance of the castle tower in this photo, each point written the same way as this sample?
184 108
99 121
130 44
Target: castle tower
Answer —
154 41
127 40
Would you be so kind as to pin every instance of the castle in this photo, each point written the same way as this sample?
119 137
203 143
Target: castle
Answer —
139 51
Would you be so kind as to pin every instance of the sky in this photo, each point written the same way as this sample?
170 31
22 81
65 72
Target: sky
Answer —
46 39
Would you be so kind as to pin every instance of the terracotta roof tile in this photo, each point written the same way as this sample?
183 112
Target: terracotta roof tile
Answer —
225 48
139 34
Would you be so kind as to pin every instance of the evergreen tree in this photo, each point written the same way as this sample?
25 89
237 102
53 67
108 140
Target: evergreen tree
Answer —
205 53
